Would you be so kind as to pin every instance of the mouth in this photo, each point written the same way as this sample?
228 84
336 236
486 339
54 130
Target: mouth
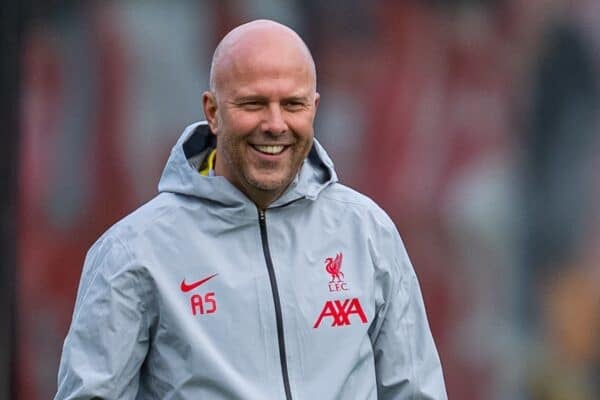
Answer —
271 150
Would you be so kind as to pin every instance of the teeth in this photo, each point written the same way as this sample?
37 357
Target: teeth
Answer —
269 149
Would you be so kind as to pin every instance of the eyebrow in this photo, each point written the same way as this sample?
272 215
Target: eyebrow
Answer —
302 99
243 99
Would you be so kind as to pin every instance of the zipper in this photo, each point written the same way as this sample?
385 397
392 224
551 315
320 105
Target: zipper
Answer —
282 357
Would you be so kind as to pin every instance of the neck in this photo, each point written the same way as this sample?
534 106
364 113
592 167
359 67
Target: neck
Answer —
261 198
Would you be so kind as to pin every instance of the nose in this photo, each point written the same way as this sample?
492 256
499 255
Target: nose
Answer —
274 121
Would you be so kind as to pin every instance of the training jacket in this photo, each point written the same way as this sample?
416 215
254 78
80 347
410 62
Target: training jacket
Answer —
199 295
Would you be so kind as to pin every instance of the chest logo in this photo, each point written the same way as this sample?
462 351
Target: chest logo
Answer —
200 303
185 287
333 266
340 312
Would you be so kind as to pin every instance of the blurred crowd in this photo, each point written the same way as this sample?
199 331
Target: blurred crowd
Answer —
472 123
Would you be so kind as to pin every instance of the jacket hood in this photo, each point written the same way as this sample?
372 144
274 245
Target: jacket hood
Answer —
181 175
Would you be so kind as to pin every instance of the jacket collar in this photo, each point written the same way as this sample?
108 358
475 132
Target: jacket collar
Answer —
181 175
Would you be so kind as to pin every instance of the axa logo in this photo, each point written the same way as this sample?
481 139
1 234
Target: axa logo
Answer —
200 303
340 311
333 266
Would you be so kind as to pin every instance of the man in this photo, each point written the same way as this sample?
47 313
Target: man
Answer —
253 274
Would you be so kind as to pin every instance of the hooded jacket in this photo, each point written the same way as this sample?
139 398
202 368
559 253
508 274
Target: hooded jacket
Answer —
199 295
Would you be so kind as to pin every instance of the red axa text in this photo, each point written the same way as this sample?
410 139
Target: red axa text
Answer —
203 305
340 311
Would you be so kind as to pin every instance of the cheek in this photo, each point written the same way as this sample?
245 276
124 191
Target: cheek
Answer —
302 123
232 145
241 122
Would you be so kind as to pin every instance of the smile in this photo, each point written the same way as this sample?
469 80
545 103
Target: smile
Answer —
269 149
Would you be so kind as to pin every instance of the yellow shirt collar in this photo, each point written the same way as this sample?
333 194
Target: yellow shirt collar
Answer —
209 164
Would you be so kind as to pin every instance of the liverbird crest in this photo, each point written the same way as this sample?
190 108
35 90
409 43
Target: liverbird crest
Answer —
333 266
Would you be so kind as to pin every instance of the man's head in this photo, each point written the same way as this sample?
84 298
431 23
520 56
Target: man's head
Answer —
261 107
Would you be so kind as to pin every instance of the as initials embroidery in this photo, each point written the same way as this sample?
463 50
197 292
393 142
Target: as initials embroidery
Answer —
200 304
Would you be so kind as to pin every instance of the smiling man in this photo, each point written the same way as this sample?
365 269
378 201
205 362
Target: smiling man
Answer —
254 274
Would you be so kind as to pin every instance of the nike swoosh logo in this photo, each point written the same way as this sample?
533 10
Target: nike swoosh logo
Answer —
187 287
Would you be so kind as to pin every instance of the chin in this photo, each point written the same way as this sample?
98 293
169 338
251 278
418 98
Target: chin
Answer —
270 184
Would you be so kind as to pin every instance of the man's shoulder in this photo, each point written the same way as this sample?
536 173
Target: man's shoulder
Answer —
341 193
143 218
350 198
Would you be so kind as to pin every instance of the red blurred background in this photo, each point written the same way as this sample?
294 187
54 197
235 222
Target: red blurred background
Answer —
473 123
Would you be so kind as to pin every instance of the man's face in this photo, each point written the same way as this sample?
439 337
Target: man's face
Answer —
265 104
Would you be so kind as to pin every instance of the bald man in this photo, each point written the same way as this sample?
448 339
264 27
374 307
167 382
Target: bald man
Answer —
253 274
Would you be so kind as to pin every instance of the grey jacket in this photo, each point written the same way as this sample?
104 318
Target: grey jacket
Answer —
198 295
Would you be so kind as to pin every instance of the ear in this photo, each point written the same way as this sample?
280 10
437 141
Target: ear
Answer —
210 108
317 97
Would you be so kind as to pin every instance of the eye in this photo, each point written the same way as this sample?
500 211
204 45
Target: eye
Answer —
294 105
251 105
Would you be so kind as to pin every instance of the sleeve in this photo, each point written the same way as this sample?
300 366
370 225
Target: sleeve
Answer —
109 335
407 364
